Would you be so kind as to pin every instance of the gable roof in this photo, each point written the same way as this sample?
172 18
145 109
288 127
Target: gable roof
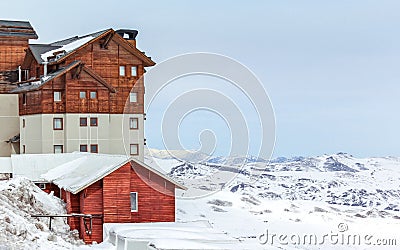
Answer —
64 47
69 46
32 166
37 84
21 29
78 174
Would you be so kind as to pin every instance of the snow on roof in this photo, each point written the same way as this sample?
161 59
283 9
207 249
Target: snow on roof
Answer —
79 173
67 47
32 166
84 169
170 235
5 165
27 86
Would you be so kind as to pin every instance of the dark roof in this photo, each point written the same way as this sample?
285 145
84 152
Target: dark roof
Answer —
32 85
39 49
75 38
37 83
127 34
21 29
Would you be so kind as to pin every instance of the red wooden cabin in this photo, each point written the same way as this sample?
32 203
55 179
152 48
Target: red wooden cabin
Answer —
113 189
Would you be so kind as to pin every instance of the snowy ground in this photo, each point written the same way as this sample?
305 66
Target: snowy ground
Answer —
326 202
19 199
339 201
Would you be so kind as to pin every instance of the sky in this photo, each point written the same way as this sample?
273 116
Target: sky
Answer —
330 68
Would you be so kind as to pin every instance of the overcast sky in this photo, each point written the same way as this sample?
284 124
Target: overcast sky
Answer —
331 68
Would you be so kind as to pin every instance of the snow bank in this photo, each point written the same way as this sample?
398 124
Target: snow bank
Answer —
19 199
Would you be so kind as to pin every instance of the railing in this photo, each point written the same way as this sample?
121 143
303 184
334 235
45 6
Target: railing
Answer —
86 218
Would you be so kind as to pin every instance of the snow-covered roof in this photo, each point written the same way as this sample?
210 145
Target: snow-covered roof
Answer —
85 169
5 165
32 85
67 47
168 235
42 52
32 166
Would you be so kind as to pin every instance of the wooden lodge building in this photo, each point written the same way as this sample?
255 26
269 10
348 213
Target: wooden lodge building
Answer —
83 93
74 111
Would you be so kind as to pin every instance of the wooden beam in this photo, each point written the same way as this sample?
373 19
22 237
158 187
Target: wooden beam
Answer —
106 41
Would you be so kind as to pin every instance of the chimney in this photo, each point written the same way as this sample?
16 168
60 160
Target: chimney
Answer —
128 35
19 74
45 68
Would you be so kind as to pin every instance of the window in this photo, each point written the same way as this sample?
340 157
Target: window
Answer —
41 185
57 123
134 150
24 99
57 96
23 123
93 121
122 70
23 149
94 148
58 149
133 97
133 71
82 94
133 123
93 95
134 201
83 148
83 121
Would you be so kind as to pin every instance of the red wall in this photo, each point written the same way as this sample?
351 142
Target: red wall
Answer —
91 203
110 197
50 187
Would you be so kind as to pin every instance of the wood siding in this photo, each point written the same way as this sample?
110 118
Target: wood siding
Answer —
12 53
110 197
156 196
91 203
105 63
73 206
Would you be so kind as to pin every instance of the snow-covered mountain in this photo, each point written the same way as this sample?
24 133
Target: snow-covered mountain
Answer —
299 193
327 196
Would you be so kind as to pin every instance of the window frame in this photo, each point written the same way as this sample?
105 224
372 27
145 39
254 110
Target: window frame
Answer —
131 119
54 149
136 199
83 124
54 123
122 70
94 151
134 71
95 95
131 94
80 94
137 149
94 124
83 145
59 99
